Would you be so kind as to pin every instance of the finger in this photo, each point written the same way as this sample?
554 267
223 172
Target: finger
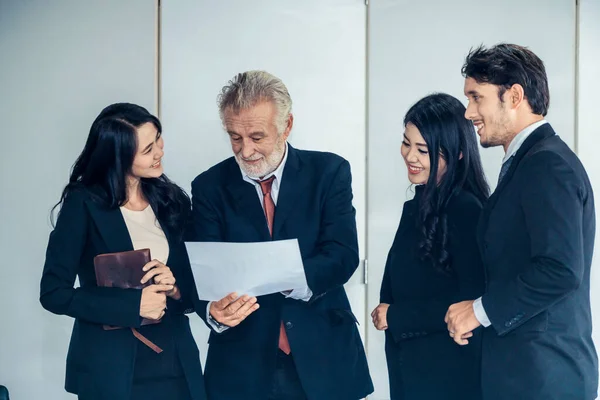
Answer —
450 326
373 312
239 303
447 317
160 288
458 338
461 341
381 325
150 265
467 335
170 282
164 279
226 301
243 311
153 272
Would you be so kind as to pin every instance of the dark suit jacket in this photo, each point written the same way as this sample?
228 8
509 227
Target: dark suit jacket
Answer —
537 237
315 206
423 361
100 363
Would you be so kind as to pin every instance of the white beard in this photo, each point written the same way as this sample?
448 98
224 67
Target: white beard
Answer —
266 165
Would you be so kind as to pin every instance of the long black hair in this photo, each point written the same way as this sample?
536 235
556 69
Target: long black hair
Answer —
440 118
107 159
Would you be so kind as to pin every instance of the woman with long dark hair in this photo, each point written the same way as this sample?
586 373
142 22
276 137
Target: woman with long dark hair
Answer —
434 260
117 200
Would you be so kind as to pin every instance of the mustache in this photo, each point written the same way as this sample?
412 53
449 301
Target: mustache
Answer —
253 158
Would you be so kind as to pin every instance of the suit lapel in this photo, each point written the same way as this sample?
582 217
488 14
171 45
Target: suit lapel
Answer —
291 188
246 202
539 134
111 226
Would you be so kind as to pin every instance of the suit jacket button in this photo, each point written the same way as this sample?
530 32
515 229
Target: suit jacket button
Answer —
403 336
289 325
410 334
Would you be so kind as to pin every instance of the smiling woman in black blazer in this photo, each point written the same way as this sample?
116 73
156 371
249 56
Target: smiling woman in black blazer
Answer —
118 199
434 260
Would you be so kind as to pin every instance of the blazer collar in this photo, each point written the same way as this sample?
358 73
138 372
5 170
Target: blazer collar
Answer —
246 200
112 228
543 132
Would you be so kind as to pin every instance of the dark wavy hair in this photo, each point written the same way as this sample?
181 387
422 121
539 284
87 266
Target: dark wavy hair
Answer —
507 64
107 159
440 120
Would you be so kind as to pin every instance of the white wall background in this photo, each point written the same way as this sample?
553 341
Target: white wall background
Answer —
588 130
62 62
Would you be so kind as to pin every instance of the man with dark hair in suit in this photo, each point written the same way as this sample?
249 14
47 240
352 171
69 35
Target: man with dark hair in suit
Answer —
536 236
304 343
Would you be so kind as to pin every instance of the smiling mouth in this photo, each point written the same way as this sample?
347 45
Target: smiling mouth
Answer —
414 170
156 164
252 161
478 125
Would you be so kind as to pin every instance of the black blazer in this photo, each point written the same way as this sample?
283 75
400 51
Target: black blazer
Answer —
315 206
100 363
424 362
537 237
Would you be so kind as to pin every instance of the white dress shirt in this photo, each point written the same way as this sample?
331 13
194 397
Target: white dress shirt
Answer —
296 294
512 149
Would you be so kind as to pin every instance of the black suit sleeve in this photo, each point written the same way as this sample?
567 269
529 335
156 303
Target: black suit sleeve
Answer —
101 305
337 245
204 227
385 293
427 316
552 202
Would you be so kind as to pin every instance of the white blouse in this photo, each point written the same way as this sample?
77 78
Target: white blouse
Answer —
146 233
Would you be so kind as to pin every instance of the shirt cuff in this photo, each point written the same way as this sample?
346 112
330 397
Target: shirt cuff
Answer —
212 322
300 294
480 313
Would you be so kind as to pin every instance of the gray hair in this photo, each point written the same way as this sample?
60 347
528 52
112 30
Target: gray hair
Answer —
249 88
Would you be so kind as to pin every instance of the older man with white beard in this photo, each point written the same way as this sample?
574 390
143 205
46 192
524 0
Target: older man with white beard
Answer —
302 344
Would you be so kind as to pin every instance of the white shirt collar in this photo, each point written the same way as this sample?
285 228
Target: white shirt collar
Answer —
278 172
518 140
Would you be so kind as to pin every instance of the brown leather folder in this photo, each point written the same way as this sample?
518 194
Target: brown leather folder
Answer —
123 270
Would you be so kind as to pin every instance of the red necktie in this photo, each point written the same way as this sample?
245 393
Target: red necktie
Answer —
269 207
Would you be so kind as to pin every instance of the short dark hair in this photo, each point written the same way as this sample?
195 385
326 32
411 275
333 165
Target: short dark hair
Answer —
507 64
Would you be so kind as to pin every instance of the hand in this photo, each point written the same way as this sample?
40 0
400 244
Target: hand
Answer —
154 301
231 310
461 321
379 316
162 276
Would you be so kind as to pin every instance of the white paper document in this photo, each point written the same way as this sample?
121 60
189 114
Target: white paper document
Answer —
254 269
